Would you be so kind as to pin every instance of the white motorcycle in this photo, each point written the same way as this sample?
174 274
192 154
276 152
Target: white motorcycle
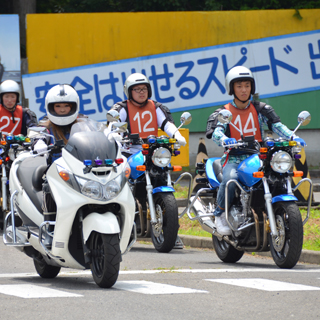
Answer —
94 222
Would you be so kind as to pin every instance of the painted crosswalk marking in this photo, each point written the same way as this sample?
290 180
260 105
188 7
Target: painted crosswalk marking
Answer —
31 291
148 287
265 284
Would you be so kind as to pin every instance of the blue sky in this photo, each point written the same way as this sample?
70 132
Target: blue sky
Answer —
10 42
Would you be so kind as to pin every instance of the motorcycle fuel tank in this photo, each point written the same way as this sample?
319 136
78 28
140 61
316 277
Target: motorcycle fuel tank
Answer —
135 160
246 168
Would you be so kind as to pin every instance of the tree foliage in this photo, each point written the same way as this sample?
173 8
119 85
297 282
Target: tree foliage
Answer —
52 6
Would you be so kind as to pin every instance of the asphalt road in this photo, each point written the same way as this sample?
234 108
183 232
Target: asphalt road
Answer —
184 284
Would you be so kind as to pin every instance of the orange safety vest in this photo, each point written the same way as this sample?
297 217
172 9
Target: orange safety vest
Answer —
246 120
143 120
6 123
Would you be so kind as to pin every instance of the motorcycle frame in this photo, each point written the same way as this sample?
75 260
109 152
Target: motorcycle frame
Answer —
66 213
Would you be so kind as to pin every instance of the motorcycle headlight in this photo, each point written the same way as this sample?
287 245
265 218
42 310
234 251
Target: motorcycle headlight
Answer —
161 157
90 188
281 162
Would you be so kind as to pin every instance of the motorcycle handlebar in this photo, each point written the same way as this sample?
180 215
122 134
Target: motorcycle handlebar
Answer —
235 145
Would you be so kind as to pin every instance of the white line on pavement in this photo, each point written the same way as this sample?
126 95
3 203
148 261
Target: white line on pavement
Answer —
148 287
265 284
77 273
30 291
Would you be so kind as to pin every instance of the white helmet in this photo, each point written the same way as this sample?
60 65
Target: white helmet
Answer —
134 79
239 73
9 86
62 93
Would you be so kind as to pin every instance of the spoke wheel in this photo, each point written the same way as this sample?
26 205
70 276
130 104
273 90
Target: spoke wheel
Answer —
105 258
287 246
164 232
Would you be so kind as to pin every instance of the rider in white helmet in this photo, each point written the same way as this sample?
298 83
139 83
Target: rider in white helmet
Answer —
62 106
144 116
252 115
13 118
133 110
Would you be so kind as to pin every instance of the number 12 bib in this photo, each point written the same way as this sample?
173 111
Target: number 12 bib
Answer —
143 120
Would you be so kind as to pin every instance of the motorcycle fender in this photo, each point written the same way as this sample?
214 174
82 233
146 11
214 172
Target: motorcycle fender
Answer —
284 197
163 189
105 223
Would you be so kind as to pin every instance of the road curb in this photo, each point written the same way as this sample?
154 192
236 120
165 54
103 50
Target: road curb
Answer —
307 256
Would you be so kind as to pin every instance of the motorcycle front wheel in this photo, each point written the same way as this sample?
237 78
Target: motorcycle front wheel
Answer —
164 232
105 258
287 246
225 251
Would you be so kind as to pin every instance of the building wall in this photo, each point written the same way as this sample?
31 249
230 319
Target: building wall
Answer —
58 41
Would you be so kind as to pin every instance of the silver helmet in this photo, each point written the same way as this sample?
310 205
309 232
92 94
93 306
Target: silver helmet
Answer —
62 93
133 80
239 73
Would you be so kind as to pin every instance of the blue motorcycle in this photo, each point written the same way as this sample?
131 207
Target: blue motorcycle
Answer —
264 215
152 187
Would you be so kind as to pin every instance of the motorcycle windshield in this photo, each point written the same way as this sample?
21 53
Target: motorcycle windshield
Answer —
91 146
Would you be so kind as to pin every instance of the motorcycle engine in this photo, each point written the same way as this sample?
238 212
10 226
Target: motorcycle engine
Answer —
236 216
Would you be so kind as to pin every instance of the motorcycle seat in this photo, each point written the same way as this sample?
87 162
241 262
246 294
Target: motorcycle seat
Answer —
29 170
37 177
217 169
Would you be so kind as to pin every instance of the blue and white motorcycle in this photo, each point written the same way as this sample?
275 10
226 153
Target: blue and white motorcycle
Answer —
264 215
152 187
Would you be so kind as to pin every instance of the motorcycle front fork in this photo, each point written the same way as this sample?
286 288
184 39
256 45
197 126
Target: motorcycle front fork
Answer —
149 188
4 180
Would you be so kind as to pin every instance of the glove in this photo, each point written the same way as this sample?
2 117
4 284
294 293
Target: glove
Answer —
180 139
115 137
40 146
229 141
300 141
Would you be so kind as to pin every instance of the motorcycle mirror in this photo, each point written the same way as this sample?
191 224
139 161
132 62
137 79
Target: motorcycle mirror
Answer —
113 115
304 118
34 131
186 118
119 127
225 116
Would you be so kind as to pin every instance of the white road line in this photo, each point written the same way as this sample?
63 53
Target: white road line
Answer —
265 284
77 273
148 287
30 291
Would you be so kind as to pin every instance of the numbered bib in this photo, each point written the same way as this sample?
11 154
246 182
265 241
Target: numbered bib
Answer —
6 123
246 120
143 120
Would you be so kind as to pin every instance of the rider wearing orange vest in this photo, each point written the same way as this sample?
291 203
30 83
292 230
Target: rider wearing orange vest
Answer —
249 116
13 118
144 116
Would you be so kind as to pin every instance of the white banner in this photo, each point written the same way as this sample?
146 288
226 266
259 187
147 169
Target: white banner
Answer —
190 79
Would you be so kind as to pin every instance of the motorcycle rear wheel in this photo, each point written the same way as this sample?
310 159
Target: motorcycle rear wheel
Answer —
225 251
105 258
45 270
286 248
167 222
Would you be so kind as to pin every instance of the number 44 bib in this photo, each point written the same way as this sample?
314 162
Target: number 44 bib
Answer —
246 120
143 120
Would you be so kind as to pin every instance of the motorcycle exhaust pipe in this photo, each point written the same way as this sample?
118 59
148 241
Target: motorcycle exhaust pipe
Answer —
199 208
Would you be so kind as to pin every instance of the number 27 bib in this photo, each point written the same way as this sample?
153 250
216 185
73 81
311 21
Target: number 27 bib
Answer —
143 120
